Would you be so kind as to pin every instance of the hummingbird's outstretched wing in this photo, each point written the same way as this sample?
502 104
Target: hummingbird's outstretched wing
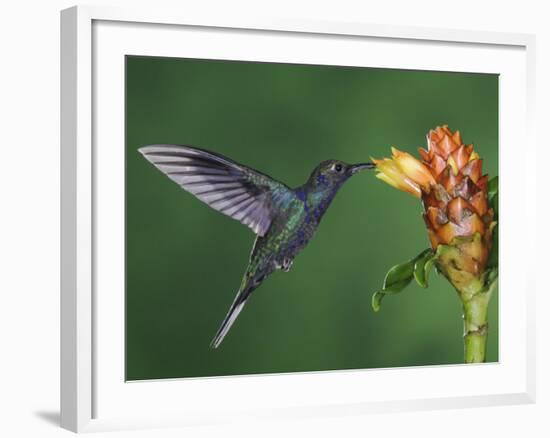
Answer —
229 187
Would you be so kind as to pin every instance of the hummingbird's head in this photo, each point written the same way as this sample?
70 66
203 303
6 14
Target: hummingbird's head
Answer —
333 173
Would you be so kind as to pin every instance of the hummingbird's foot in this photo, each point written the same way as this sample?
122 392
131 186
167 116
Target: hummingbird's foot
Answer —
287 264
284 264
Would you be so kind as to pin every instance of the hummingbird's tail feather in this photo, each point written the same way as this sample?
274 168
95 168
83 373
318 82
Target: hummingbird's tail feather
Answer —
231 316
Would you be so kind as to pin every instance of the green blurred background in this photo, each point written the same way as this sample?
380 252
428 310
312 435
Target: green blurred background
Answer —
185 260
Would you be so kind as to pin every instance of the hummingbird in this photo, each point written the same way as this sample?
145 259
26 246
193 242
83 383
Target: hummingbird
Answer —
284 219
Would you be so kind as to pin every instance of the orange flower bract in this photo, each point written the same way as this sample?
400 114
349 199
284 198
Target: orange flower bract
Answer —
453 190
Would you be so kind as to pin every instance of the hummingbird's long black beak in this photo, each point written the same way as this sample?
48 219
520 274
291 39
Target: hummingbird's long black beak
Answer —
361 166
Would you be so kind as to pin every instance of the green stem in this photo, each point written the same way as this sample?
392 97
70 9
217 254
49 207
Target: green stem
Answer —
475 327
459 262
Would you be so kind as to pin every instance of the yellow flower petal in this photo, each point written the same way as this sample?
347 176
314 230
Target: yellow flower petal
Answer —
413 169
405 185
389 172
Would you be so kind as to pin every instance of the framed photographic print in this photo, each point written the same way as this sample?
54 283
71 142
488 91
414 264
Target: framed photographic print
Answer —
233 243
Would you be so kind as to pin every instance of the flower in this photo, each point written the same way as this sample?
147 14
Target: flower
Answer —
460 208
453 191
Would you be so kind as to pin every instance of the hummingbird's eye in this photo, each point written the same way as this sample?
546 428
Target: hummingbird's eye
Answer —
337 167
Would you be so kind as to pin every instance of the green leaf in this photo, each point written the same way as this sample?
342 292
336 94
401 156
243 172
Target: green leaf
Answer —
398 278
423 266
492 262
492 276
492 186
494 204
377 300
492 194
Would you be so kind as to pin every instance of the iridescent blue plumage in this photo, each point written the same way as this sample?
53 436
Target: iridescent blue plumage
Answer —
284 219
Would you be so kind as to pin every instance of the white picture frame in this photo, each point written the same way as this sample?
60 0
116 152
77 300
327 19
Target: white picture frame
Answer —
93 397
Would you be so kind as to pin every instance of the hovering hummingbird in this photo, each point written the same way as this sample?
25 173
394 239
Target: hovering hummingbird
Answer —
283 219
